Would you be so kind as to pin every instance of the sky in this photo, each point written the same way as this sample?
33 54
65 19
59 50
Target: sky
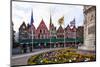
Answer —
21 11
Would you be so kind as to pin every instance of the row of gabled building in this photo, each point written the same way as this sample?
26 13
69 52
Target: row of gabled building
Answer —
51 37
42 32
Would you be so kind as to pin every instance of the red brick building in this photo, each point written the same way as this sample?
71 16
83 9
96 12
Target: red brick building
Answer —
23 33
42 31
49 38
31 31
79 32
60 32
52 29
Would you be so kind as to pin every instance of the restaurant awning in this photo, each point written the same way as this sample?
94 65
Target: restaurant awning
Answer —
52 40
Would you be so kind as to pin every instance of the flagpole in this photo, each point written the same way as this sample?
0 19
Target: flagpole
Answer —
50 29
32 39
75 34
32 29
75 39
64 35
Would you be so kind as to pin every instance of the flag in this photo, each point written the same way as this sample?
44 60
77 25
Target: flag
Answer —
31 23
61 20
32 20
50 23
72 23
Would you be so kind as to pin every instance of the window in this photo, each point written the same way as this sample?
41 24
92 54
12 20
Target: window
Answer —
44 31
32 32
40 31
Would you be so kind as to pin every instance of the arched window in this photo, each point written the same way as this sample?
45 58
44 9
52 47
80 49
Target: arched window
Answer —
43 31
40 31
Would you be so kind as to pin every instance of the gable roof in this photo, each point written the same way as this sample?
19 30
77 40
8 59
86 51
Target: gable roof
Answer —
42 24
